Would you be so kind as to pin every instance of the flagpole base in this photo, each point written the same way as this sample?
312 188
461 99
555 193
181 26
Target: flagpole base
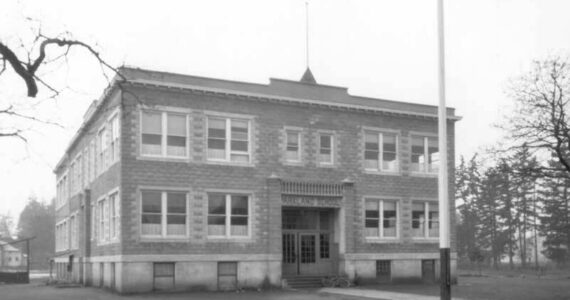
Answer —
444 274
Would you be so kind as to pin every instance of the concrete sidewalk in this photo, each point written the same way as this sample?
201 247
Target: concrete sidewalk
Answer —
376 294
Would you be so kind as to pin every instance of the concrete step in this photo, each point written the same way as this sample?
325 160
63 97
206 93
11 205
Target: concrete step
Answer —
303 282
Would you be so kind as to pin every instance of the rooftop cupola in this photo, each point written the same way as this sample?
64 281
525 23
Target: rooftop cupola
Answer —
308 77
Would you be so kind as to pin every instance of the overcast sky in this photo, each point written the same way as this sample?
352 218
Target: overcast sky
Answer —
384 49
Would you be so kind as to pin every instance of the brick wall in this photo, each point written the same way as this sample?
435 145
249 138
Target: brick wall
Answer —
269 121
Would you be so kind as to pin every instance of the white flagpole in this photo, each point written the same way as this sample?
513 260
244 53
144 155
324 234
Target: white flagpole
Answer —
444 220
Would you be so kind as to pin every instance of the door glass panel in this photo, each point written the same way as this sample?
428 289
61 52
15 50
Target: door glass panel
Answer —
308 249
289 248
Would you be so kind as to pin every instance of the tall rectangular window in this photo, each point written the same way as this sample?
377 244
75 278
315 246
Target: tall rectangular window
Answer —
326 149
425 154
73 232
381 218
101 220
114 206
380 151
115 133
102 147
151 134
176 135
425 219
164 213
228 139
228 215
293 146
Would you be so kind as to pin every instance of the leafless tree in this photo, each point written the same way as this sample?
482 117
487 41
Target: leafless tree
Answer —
540 119
27 59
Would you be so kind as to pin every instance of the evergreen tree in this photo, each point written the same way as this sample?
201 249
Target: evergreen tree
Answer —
38 220
467 187
524 179
555 220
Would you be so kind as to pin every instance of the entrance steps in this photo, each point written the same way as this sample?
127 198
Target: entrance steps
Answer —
303 281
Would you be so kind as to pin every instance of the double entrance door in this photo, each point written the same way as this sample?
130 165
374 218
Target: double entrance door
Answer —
307 243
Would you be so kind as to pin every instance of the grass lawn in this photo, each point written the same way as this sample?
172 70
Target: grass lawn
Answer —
495 287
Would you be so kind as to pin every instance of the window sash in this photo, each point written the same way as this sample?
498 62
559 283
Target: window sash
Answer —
229 139
376 153
293 146
326 152
172 223
425 219
233 222
425 153
169 139
376 218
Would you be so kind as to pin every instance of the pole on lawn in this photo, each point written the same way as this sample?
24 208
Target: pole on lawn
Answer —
444 245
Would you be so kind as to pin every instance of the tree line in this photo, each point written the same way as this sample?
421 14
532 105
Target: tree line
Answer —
504 205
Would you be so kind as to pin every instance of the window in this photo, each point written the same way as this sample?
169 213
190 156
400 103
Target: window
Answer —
114 147
422 226
381 218
73 232
383 270
114 205
92 160
93 221
102 147
422 148
228 140
380 151
293 146
163 276
227 276
164 134
61 197
324 245
85 171
164 214
228 215
325 155
102 220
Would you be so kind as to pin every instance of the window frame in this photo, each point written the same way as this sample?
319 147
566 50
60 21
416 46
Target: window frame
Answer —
332 148
101 149
114 137
227 118
380 200
164 213
299 133
164 134
380 166
228 215
426 204
426 165
114 214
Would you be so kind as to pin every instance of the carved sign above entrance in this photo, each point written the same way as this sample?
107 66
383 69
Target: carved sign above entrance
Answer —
311 201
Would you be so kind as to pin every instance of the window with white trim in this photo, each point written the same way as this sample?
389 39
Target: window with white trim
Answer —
228 215
73 232
293 145
228 139
102 220
326 148
381 218
425 154
380 151
164 213
164 134
101 147
422 226
114 206
93 221
115 134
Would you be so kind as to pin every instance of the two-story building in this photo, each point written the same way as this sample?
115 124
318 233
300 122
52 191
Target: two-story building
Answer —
184 182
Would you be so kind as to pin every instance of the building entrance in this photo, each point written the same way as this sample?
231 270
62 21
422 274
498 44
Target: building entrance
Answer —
308 247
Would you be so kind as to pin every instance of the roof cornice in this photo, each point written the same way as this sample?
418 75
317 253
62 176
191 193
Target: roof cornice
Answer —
284 99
